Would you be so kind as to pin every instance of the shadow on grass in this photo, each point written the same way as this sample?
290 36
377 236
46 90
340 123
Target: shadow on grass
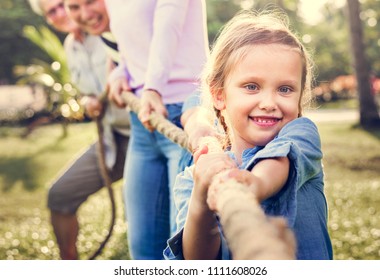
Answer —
16 170
372 130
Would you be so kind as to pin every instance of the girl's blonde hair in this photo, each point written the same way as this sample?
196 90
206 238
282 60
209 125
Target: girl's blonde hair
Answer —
234 41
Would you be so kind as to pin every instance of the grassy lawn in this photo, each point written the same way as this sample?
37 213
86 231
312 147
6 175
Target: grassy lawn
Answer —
26 167
339 104
352 167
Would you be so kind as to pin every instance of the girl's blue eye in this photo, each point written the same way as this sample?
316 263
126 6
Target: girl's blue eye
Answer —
285 89
251 87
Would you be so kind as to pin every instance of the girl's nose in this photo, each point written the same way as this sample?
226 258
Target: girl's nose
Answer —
268 102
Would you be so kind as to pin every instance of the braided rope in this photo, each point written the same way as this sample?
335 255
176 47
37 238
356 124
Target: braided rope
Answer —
108 183
160 123
249 233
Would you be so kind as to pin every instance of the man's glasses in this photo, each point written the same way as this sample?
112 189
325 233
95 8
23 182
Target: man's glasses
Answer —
53 11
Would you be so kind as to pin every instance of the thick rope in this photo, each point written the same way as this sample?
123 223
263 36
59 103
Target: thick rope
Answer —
105 173
158 122
249 233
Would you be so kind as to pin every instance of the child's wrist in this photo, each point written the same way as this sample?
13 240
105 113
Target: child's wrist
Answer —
199 208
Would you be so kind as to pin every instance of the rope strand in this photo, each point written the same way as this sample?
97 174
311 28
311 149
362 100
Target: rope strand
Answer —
106 178
160 123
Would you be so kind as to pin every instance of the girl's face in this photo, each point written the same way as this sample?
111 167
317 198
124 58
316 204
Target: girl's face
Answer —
261 94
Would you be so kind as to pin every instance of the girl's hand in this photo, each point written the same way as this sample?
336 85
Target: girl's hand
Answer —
197 153
207 165
246 178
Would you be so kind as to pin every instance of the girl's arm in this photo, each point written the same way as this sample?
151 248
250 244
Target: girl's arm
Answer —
266 178
201 237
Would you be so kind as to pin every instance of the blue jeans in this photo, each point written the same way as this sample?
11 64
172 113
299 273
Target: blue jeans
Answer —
150 172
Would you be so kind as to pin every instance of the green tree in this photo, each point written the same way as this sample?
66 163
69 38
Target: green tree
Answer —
14 48
328 42
369 115
218 13
370 16
328 39
53 75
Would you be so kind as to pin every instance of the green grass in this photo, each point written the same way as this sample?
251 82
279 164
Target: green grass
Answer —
352 167
344 103
27 165
339 104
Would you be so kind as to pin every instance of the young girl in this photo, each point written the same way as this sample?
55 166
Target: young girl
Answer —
257 78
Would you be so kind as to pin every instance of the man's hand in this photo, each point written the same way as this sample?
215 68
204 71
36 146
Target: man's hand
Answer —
115 90
93 107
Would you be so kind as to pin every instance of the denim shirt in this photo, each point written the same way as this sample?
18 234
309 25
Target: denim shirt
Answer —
301 200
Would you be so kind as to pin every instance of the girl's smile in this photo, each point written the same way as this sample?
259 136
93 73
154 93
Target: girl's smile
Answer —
264 121
261 94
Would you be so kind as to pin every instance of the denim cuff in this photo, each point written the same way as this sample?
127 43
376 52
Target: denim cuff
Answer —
174 249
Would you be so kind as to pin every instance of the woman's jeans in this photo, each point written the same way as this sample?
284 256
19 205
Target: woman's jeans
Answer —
151 168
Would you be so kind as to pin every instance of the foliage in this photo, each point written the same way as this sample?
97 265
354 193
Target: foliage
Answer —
369 115
47 41
54 76
14 48
352 189
328 39
331 50
218 13
371 19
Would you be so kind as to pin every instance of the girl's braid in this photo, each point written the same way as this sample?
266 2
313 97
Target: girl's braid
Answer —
226 141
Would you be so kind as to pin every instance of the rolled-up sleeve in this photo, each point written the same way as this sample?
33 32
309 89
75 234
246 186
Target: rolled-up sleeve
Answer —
299 141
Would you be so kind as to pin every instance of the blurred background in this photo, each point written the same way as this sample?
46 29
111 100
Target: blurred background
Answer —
43 125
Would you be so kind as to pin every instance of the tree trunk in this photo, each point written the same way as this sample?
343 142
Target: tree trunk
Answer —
369 115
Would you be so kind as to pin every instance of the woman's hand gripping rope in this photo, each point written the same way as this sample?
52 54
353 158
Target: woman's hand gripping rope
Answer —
158 121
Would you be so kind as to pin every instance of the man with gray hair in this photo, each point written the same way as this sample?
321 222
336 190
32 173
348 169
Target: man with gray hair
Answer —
87 61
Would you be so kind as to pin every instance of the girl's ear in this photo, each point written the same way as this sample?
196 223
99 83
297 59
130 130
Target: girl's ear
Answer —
218 99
